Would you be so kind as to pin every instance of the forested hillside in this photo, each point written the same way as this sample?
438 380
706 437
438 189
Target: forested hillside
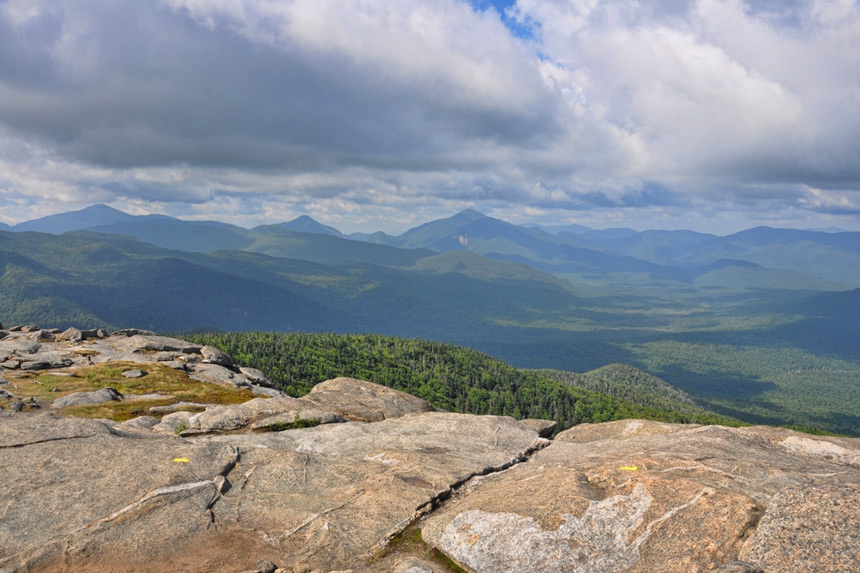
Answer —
448 376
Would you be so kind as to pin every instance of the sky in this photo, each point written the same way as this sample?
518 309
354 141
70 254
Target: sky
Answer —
712 115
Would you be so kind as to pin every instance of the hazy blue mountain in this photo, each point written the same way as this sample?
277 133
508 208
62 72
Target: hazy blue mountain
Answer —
830 257
497 239
75 220
276 241
442 234
561 230
92 279
305 224
170 233
5 227
378 237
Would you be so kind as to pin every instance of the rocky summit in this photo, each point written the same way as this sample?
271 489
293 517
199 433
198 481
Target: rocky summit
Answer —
137 452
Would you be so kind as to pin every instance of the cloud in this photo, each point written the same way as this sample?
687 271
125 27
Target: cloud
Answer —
416 108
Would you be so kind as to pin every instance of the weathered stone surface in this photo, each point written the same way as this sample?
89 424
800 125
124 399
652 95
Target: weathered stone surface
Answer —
133 332
173 423
325 496
215 374
87 398
178 406
212 355
332 401
255 376
645 496
45 362
150 343
93 333
364 401
140 423
71 334
135 373
809 529
21 347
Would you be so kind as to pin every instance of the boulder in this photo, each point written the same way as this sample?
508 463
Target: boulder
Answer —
363 401
215 374
140 423
173 423
46 363
93 333
256 376
24 328
134 373
87 398
212 355
21 347
71 334
133 332
148 343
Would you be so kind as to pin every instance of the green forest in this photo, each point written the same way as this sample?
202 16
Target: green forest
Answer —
458 379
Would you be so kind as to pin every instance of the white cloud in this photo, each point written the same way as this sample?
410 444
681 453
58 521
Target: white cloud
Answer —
417 108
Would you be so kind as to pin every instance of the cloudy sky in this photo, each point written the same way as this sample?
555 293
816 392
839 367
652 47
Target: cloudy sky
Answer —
714 115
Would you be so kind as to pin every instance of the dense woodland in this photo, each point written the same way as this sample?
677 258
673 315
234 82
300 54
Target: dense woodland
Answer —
455 378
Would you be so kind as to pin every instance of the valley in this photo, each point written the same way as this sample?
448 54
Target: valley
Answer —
758 326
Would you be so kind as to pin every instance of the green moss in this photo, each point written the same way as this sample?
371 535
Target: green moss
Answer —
175 385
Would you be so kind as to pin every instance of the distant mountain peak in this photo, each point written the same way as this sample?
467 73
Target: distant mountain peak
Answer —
91 216
306 224
468 215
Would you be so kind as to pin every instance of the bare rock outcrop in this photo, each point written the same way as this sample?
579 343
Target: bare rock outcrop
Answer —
647 496
83 495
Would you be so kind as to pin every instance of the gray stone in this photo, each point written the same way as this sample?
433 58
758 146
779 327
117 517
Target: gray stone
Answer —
20 347
166 409
147 343
256 376
11 364
93 333
136 373
212 355
140 423
266 566
47 364
71 334
173 423
215 374
87 398
133 332
363 401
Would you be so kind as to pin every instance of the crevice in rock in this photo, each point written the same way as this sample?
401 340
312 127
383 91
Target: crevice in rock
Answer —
436 502
46 440
439 499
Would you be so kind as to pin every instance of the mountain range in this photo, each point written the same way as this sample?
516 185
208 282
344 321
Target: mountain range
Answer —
758 325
